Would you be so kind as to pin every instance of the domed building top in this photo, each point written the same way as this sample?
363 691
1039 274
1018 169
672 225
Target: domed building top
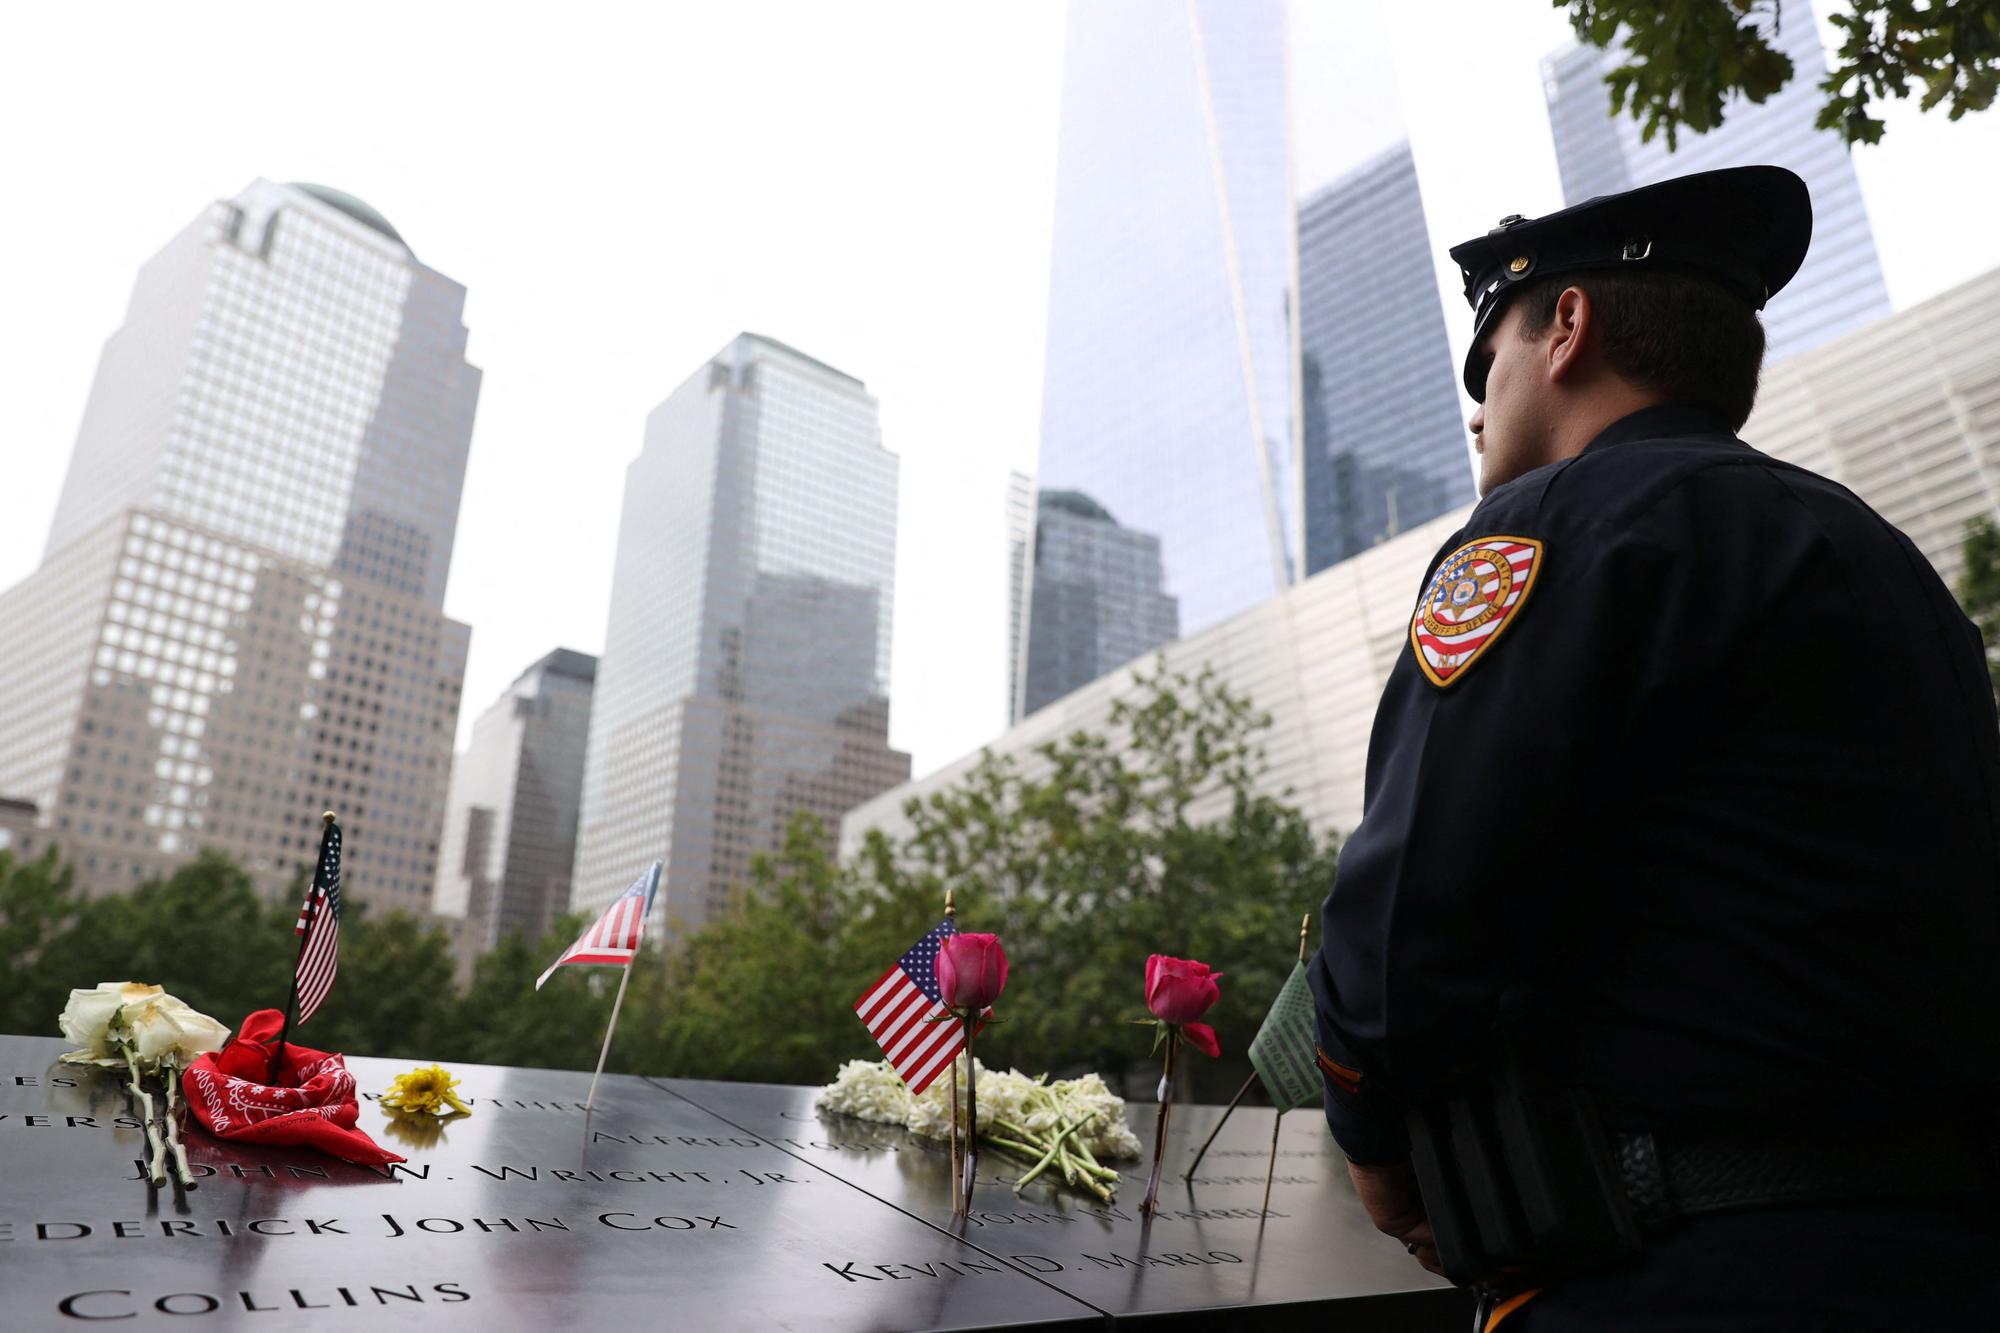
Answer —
1077 503
357 209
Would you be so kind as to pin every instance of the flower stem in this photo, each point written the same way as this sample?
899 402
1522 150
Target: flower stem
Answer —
1012 1145
182 1171
971 1119
156 1168
1151 1203
1055 1149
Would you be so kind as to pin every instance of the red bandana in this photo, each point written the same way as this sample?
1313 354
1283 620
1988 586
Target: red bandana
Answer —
312 1104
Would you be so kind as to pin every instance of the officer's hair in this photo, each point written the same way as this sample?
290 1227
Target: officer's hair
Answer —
1675 333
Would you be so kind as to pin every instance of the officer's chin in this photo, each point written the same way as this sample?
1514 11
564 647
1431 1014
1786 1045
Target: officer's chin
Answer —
1497 467
1489 474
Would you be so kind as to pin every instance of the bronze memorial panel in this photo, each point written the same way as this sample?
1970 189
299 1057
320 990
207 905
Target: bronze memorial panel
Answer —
1212 1249
707 1205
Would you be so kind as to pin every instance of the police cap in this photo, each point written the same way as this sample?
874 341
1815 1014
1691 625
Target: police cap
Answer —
1743 228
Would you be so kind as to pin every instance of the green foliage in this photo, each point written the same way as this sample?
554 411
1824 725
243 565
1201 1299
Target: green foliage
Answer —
206 935
1687 56
766 993
1093 856
1979 587
38 907
1084 857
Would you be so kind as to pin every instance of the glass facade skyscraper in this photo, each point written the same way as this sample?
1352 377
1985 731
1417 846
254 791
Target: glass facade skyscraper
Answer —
1168 389
745 674
288 375
1218 376
1094 598
1839 288
237 623
510 820
1384 441
1020 550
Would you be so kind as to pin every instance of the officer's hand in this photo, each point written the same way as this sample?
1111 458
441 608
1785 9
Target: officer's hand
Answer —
1389 1193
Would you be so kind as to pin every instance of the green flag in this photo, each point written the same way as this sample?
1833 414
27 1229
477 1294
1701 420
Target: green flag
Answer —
1283 1051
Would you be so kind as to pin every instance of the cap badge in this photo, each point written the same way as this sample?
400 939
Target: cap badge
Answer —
1474 595
1519 264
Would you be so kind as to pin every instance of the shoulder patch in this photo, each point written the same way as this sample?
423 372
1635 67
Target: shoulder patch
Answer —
1475 594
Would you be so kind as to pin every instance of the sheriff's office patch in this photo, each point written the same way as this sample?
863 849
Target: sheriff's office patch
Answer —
1475 594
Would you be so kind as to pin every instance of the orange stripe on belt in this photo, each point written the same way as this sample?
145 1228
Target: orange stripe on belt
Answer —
1348 1080
1508 1306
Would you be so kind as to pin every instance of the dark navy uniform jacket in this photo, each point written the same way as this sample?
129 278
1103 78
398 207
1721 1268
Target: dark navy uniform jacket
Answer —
1721 795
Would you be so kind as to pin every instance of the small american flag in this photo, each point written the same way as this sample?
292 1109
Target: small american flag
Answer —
319 923
614 937
896 1007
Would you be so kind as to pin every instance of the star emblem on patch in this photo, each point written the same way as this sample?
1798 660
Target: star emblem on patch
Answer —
1473 596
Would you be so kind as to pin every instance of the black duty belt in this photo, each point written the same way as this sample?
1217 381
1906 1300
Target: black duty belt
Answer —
1668 1177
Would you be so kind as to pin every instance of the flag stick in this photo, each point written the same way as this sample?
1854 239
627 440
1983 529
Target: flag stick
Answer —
1278 1112
1203 1150
1277 1118
1305 925
292 1000
590 1101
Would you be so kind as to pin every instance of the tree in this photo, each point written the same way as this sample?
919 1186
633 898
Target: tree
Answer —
503 1020
202 932
1098 859
1979 587
206 935
1688 56
396 989
765 993
38 905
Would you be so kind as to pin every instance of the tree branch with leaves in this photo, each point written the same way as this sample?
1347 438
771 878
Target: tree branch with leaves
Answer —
1687 58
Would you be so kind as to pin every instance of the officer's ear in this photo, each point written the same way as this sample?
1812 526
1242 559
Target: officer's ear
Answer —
1570 333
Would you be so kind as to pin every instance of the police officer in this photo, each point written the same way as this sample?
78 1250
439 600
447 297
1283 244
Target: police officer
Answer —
1689 770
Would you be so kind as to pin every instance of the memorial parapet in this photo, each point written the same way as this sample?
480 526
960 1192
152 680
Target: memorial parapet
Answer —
1213 1248
709 1205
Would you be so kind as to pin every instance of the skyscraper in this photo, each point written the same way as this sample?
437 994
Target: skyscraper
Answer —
1094 598
510 819
237 620
1020 550
1168 386
1384 441
1216 376
1840 287
291 376
745 674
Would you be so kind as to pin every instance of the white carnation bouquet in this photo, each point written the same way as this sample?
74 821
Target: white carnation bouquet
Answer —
1064 1126
152 1035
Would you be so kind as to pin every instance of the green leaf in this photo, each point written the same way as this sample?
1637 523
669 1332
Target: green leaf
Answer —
1686 60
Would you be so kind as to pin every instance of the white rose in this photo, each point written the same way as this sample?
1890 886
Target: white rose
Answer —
89 1016
164 1027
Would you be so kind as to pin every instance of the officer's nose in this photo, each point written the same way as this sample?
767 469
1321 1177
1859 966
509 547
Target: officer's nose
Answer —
1478 423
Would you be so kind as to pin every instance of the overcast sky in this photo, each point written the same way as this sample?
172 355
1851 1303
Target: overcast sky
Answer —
624 188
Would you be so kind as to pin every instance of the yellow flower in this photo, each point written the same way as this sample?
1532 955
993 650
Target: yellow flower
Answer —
427 1089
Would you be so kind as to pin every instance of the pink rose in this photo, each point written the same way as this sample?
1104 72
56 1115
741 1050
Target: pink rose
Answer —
1202 1037
1180 990
971 971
